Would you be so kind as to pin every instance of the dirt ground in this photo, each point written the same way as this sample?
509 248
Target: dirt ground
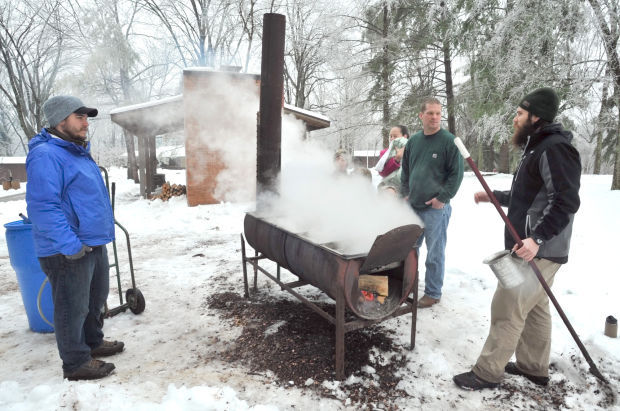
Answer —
297 346
300 347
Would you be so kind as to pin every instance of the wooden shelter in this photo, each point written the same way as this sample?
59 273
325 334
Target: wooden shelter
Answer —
202 88
146 121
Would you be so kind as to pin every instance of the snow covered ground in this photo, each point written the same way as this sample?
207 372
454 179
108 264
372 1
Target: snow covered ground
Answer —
6 194
183 255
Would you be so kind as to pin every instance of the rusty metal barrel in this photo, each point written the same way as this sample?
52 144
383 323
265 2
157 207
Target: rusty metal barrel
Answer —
392 255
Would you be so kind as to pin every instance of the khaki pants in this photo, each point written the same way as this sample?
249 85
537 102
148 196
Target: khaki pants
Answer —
520 324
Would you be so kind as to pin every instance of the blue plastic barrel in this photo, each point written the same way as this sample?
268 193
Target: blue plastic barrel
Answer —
36 290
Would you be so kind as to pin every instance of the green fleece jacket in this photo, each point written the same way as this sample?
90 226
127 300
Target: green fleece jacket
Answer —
431 167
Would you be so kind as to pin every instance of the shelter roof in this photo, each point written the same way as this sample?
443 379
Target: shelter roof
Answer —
12 160
151 118
166 115
313 120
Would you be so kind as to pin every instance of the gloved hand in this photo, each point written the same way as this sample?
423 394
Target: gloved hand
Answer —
85 249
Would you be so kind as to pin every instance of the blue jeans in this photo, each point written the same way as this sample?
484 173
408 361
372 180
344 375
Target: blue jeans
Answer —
436 235
79 291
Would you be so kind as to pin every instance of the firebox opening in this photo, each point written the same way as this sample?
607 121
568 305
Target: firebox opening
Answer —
380 290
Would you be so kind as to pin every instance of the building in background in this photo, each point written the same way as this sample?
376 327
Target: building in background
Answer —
218 113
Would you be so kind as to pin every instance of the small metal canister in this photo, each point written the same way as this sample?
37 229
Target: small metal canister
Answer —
510 270
611 327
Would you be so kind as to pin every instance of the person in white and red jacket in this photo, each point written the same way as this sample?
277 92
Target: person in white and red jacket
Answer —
390 158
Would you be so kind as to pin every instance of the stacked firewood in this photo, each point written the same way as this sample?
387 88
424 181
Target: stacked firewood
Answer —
168 190
11 184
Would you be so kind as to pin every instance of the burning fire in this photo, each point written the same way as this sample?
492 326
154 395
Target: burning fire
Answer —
368 296
372 296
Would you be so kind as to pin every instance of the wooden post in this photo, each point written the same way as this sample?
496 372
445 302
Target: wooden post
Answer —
142 161
340 335
151 164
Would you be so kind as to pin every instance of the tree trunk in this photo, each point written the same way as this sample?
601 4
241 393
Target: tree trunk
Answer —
300 90
132 163
599 139
615 182
385 78
489 157
610 40
447 63
480 154
503 164
602 124
597 152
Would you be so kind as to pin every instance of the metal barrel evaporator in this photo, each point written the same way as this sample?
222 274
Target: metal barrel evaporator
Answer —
392 255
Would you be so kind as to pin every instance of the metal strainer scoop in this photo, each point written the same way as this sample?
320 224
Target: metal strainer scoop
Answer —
509 269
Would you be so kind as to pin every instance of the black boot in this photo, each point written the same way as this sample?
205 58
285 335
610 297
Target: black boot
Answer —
511 368
470 381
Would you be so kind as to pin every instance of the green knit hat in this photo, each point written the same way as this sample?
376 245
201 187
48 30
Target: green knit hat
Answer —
543 102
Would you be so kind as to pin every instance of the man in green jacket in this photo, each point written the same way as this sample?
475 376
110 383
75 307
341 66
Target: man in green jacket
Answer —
432 171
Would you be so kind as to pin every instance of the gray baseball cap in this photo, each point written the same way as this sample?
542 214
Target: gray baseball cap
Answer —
58 108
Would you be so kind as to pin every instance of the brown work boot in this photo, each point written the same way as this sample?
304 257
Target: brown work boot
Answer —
91 370
427 301
107 348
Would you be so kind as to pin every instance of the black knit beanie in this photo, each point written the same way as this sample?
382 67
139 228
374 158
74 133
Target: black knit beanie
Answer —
543 102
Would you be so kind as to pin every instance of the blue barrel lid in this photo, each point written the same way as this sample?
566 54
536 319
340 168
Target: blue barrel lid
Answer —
17 225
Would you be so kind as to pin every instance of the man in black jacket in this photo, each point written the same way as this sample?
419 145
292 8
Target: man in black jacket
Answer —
542 202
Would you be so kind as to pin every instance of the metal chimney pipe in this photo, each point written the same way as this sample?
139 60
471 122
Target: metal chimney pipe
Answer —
268 153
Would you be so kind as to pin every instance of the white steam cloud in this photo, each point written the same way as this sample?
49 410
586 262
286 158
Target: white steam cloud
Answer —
325 206
314 200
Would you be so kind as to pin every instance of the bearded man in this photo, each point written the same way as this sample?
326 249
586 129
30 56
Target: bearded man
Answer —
72 219
542 202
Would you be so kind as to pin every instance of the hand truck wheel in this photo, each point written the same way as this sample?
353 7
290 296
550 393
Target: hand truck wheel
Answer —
135 300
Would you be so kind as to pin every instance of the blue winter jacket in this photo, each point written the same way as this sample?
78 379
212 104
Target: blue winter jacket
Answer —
66 197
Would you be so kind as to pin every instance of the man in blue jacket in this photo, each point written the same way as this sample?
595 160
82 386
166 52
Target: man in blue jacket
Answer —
72 219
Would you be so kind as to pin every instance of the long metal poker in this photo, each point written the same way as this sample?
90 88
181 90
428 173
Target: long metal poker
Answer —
593 369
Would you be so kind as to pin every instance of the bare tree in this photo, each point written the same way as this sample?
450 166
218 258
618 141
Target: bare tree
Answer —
114 67
607 13
305 58
204 32
248 14
7 124
31 56
605 125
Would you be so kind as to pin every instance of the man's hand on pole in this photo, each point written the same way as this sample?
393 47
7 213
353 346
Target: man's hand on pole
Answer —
528 251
